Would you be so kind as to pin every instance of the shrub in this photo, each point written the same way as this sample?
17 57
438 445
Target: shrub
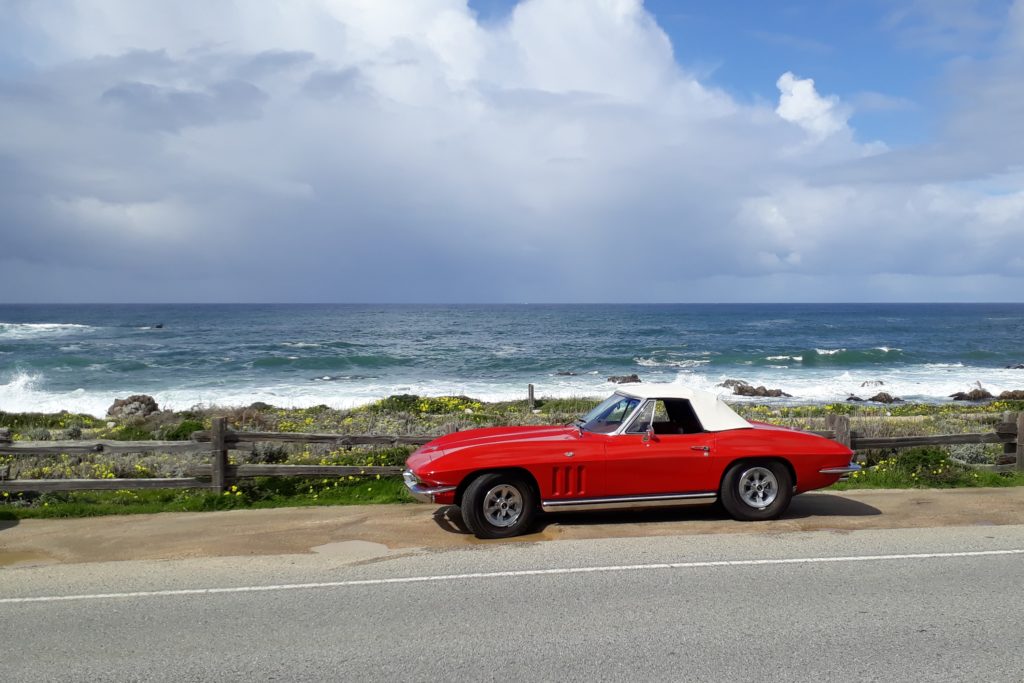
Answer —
405 403
38 434
183 430
130 433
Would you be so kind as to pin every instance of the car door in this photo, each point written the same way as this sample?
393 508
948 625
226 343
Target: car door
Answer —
675 458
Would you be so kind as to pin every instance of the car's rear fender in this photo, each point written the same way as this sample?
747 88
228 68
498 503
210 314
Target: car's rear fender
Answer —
756 458
519 471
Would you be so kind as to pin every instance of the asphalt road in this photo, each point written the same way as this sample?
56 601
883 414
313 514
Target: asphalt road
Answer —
921 604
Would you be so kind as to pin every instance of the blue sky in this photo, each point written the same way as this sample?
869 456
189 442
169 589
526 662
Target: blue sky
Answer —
499 151
890 55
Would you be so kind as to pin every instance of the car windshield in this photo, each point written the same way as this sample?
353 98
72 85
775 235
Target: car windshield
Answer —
609 415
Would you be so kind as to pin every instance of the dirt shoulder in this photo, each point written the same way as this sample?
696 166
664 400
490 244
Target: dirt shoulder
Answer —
303 530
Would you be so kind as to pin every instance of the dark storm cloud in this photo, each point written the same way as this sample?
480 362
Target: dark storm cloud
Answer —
149 106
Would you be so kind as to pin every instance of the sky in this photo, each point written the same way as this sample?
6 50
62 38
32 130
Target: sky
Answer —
511 152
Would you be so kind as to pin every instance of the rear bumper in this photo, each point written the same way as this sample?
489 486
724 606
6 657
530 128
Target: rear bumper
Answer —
424 493
844 471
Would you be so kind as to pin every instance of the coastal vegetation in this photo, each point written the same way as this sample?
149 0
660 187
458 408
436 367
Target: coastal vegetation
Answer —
409 414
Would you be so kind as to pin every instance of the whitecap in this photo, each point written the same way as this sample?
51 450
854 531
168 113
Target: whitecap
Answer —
828 352
37 330
654 363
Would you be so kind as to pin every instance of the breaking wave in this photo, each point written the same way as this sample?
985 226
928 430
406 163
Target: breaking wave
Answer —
40 330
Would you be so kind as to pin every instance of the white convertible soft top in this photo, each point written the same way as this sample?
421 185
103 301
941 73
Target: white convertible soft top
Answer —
712 412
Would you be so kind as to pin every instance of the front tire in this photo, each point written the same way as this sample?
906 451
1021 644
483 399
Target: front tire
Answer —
756 490
498 505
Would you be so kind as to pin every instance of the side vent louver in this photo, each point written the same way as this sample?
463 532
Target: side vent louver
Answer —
570 480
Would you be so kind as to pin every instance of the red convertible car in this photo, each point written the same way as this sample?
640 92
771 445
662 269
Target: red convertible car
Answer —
649 446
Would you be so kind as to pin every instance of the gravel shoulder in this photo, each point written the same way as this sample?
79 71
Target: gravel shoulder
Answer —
355 530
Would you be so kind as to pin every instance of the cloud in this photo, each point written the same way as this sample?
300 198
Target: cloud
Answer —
946 25
801 104
362 150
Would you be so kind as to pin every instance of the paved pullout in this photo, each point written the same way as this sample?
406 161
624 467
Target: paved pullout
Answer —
301 530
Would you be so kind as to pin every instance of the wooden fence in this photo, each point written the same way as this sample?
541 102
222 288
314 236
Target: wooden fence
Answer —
1006 432
219 473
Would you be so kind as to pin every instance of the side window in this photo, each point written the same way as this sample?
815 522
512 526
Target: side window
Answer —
682 417
643 419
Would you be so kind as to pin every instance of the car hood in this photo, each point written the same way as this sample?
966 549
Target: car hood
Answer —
497 436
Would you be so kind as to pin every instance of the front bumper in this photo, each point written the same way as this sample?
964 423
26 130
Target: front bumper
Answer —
423 492
845 471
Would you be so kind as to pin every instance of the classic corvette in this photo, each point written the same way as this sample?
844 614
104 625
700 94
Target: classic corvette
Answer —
644 446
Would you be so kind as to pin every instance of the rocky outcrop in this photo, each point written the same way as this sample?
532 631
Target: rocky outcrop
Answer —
978 394
1015 366
854 399
883 397
873 383
741 388
139 405
761 391
1013 395
624 379
565 373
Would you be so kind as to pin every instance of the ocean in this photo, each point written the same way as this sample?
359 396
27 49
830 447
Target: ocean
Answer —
81 357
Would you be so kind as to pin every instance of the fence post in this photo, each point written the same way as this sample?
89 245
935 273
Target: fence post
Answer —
219 454
5 438
1020 442
529 396
840 425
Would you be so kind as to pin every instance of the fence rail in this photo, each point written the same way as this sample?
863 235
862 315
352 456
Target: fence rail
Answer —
219 473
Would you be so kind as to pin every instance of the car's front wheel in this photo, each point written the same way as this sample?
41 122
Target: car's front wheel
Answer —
498 505
756 490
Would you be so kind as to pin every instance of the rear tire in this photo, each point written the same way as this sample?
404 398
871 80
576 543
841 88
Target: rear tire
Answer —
498 505
756 490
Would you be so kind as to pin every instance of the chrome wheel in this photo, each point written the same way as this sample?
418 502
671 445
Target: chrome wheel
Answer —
503 505
758 487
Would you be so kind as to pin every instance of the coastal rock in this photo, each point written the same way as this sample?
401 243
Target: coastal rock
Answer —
883 397
565 373
856 399
1017 366
748 390
873 383
139 405
733 383
978 394
1012 395
624 379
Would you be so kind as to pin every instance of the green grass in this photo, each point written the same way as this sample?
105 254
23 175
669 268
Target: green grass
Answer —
263 492
924 468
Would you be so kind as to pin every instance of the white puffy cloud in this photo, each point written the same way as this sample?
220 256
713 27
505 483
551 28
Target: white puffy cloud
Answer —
403 151
801 104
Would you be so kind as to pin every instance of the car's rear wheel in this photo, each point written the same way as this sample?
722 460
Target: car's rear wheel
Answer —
756 490
498 505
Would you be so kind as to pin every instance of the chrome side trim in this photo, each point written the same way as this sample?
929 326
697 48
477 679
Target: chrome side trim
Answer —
626 502
424 494
852 467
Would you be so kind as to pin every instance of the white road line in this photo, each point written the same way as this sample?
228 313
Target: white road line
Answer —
512 574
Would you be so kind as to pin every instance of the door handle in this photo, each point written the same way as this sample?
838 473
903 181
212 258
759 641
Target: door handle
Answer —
706 449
